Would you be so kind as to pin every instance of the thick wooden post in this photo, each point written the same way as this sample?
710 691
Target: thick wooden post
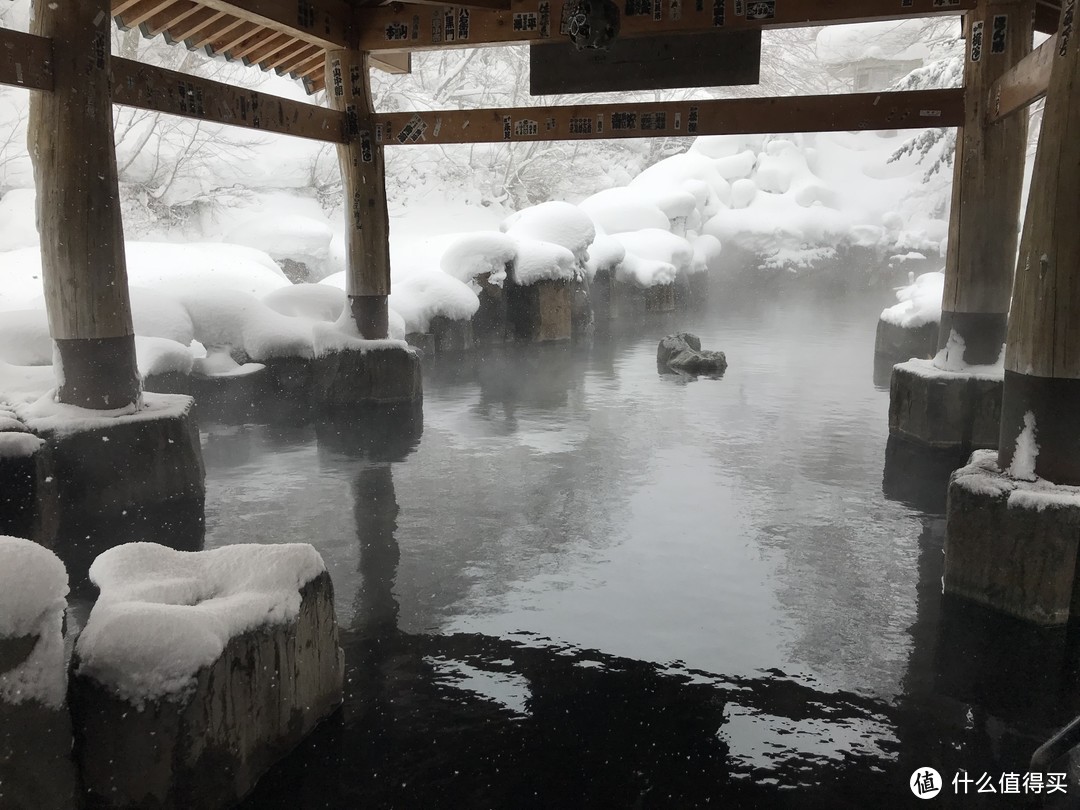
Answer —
1042 358
70 138
363 172
988 177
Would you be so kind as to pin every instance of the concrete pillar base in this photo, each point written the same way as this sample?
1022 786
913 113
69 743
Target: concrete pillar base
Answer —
266 691
944 409
376 376
107 464
450 336
918 474
895 344
660 298
1012 545
489 323
540 312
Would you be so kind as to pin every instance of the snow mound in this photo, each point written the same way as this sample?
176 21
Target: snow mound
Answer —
617 210
653 257
474 254
159 315
156 355
163 614
316 302
33 587
179 268
920 302
18 226
605 254
559 223
25 338
231 318
296 237
424 294
543 261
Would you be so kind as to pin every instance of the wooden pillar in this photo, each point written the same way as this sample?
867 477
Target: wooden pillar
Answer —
70 137
988 176
1042 358
363 172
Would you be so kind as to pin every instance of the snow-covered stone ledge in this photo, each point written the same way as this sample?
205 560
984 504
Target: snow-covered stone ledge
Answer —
36 769
198 670
108 461
1011 539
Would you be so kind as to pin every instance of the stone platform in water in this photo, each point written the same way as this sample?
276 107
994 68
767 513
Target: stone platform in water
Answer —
107 462
197 672
1011 545
943 408
28 499
388 375
896 344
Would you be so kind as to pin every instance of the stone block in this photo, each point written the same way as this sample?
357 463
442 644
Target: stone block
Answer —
944 409
600 296
489 324
264 694
540 312
896 344
660 298
450 336
29 504
1011 545
581 313
106 464
388 376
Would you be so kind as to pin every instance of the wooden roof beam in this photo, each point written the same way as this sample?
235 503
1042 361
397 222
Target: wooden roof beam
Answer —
25 60
150 87
829 113
246 36
1024 84
411 27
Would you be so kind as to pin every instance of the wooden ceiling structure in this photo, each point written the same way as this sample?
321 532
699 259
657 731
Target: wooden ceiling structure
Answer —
293 37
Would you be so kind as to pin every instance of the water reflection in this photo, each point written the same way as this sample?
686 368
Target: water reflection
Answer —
570 539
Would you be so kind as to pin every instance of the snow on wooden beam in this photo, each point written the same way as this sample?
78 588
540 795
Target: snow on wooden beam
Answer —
423 27
320 22
857 111
152 88
1024 84
25 60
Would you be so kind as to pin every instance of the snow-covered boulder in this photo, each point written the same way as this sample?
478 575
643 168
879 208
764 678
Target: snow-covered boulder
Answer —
163 715
477 254
36 769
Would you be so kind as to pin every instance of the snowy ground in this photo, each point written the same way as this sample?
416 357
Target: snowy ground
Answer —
216 290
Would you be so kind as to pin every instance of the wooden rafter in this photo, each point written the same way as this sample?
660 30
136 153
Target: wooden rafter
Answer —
1023 84
145 12
194 24
289 57
268 48
173 16
240 31
322 22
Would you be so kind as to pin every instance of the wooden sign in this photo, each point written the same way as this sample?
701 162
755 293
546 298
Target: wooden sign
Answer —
710 59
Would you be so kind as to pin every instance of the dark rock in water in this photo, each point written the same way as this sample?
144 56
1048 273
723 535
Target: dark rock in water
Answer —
682 353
